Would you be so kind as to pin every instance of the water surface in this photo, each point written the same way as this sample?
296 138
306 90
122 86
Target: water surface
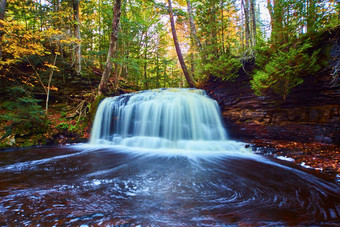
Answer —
74 185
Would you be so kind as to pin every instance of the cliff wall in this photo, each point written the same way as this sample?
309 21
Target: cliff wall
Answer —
311 112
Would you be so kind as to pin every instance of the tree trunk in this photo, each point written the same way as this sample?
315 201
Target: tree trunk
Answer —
192 27
102 89
3 4
157 64
77 34
253 20
49 83
146 85
214 28
222 25
118 73
271 13
188 77
245 4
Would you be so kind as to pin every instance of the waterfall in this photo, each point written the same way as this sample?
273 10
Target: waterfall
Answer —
162 118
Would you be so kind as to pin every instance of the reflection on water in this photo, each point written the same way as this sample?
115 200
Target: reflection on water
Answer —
103 186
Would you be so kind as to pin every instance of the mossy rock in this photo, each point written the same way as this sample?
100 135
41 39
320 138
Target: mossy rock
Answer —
94 106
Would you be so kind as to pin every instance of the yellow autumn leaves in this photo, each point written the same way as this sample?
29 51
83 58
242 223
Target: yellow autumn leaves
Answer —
19 42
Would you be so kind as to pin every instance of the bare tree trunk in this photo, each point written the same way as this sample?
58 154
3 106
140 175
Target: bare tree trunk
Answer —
193 27
77 34
271 13
49 83
213 12
157 64
146 85
253 25
102 89
188 77
222 24
245 4
3 4
118 73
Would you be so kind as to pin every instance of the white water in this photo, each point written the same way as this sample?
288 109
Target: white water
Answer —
175 119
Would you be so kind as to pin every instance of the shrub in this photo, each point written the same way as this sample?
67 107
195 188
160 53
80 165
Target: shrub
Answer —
284 69
21 114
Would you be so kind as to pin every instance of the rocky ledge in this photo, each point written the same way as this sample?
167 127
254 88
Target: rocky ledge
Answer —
310 114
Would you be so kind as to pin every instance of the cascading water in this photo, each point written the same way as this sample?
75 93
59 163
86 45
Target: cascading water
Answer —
185 119
181 171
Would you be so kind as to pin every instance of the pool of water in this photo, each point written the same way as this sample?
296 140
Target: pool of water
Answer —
89 185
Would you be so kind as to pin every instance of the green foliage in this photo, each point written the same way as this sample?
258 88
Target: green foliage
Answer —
284 69
218 34
226 67
22 114
66 127
292 19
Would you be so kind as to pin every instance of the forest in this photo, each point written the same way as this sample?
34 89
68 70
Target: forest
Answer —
169 113
58 58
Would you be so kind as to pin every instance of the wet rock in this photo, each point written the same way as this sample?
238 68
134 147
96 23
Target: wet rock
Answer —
10 140
303 117
335 119
314 115
335 111
323 139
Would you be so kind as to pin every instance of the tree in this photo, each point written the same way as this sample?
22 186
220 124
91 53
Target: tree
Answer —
3 4
286 69
77 34
253 22
245 6
188 77
102 89
220 38
193 27
2 9
249 25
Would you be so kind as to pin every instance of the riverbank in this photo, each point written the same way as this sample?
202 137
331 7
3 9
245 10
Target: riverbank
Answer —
313 157
60 126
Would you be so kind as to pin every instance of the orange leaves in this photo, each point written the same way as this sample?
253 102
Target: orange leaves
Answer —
52 88
322 157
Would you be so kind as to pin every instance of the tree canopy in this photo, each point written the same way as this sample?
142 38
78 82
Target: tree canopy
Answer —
216 37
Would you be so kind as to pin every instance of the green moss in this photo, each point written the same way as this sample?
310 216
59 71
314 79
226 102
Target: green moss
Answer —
94 106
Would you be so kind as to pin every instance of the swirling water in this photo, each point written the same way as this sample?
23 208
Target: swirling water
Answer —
152 161
83 184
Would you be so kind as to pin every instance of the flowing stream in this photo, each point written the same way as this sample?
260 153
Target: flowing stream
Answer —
159 158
